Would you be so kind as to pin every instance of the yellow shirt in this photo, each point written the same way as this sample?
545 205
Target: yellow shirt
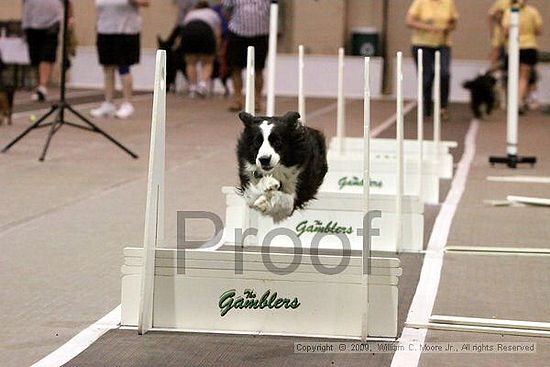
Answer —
530 23
434 12
497 37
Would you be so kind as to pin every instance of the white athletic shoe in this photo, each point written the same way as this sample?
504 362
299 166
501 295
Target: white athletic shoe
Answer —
106 109
126 110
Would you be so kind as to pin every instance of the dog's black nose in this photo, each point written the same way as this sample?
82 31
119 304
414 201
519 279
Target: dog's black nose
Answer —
265 160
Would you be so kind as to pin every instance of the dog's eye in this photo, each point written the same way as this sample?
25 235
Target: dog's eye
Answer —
258 140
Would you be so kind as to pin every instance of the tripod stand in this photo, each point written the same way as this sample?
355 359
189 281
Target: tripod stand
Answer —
60 106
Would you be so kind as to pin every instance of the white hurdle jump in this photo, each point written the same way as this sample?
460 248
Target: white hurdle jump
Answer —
337 211
421 176
201 291
435 152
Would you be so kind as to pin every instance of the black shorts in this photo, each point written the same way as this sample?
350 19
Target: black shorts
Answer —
118 49
236 50
197 37
42 44
528 56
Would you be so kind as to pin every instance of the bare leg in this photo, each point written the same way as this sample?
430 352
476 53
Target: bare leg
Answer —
258 88
127 84
207 69
191 69
524 73
109 79
236 77
44 73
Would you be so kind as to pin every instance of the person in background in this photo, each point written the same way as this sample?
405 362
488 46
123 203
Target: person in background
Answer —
530 27
432 22
118 46
184 6
248 26
201 38
495 30
41 21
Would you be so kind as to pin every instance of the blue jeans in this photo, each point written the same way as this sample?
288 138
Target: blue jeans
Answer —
429 72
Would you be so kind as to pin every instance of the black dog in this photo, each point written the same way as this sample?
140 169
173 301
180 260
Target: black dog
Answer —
282 163
174 57
482 93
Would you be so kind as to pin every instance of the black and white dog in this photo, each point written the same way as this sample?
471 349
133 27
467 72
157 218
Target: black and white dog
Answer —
282 163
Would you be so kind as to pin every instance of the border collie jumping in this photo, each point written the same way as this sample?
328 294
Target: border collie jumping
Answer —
282 163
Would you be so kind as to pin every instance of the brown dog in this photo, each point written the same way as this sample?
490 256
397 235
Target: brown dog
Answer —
6 104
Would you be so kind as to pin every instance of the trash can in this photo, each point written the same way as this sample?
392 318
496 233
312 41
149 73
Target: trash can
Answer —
365 42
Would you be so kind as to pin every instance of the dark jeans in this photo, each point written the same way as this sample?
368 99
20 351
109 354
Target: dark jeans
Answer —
428 56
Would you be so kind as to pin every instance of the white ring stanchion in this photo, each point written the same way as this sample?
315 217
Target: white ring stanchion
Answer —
340 114
301 95
250 75
271 59
512 159
437 99
154 212
399 153
420 117
366 163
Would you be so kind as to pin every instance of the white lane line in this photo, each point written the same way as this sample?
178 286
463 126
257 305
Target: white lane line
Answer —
81 341
520 179
424 297
391 120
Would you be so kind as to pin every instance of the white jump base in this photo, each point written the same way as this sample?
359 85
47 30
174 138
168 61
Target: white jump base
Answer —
335 210
329 305
383 180
431 152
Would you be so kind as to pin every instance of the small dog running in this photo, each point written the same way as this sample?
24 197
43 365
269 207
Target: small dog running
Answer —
482 94
282 163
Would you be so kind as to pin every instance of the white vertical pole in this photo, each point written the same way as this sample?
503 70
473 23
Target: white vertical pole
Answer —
513 84
249 87
366 192
271 56
437 100
420 117
154 211
340 114
399 143
301 96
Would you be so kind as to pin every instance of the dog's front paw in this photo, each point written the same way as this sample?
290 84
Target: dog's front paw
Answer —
270 184
261 204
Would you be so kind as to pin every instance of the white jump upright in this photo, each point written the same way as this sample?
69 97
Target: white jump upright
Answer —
340 114
365 253
154 211
399 153
301 95
420 115
250 75
271 58
512 159
437 99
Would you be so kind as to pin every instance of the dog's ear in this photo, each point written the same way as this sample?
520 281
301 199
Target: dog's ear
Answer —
246 118
291 118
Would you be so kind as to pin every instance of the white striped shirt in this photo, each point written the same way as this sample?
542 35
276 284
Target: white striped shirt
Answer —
249 18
